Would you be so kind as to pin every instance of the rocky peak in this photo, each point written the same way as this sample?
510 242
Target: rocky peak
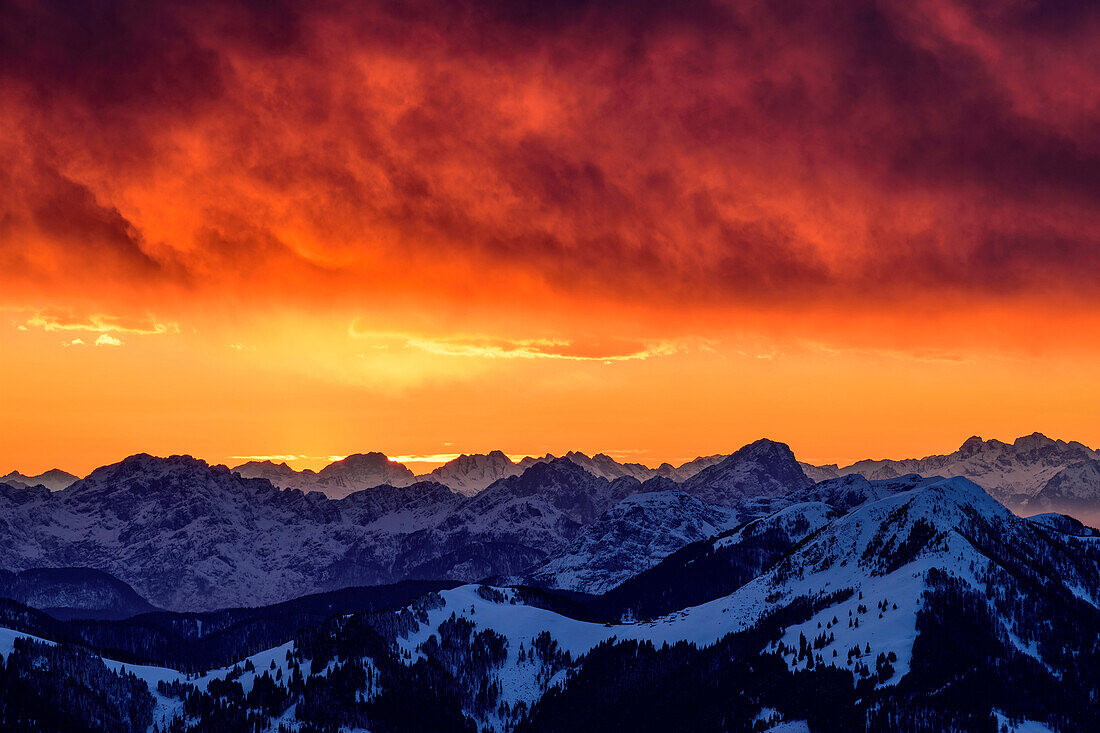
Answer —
356 463
971 445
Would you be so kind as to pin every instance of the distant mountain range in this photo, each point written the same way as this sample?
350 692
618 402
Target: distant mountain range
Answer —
55 479
1032 474
466 475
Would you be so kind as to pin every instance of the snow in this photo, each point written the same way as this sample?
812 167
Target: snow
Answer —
1027 726
8 637
830 561
631 537
816 514
791 726
168 707
834 558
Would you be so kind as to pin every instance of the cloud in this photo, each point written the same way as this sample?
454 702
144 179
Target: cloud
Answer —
489 347
672 156
107 340
53 321
429 458
277 457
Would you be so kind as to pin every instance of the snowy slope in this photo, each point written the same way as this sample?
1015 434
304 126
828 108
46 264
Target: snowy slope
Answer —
870 570
881 552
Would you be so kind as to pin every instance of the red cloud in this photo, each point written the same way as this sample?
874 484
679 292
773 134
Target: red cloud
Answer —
765 153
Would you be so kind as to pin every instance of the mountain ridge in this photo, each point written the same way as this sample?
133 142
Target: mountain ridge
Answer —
1032 474
190 535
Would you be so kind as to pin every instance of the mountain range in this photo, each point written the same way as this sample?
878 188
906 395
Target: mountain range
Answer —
467 474
190 536
1032 474
55 479
907 603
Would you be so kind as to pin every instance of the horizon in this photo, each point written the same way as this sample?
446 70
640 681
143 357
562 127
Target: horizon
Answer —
422 464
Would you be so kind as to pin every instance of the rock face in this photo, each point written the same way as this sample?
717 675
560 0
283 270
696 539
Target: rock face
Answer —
664 516
631 537
190 536
761 469
74 593
338 479
55 479
466 475
1032 474
469 474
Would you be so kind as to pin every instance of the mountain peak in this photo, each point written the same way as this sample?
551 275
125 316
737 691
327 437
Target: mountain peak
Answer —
359 461
761 468
971 445
764 447
1033 441
54 479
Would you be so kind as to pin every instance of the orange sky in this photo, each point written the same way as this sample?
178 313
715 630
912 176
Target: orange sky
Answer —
865 229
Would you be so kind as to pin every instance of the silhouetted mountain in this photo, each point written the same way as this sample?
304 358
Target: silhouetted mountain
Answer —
467 474
338 479
55 479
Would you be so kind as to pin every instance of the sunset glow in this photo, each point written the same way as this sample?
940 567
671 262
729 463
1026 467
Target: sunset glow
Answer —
864 229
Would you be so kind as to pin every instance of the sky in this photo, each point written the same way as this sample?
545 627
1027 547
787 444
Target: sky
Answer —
657 230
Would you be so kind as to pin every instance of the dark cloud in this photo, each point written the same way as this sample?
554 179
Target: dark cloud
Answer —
703 152
73 229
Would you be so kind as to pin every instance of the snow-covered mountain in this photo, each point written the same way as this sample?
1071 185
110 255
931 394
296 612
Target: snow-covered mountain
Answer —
338 479
1032 474
187 535
764 468
663 516
886 592
902 604
469 474
632 536
55 479
362 471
